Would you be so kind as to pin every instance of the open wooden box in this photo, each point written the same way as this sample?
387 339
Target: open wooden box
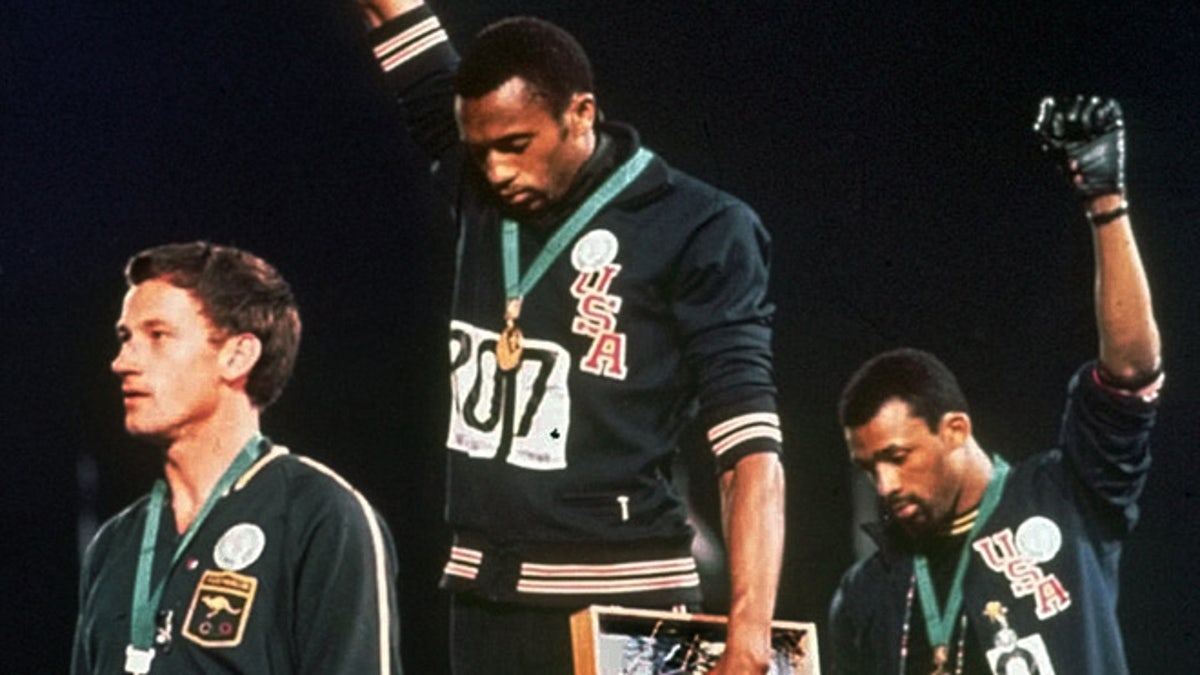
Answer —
611 640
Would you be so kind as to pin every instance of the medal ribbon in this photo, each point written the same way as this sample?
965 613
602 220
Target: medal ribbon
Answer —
145 603
516 286
940 626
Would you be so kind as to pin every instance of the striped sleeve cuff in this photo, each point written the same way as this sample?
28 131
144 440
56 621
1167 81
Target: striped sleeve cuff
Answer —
1147 393
410 38
744 433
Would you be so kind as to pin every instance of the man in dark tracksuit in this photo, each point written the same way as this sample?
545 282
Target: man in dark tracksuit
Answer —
245 559
983 568
601 300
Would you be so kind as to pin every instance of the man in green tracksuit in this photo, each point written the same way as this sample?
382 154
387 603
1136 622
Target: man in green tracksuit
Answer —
243 558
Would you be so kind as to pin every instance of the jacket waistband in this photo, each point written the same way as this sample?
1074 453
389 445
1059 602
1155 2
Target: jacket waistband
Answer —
655 572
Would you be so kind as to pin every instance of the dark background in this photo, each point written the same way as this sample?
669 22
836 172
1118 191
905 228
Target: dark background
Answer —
888 150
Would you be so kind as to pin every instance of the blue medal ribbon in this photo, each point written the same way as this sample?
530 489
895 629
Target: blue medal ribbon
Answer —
940 625
516 286
145 602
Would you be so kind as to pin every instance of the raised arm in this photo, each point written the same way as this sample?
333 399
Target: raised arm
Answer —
1129 340
1087 138
419 65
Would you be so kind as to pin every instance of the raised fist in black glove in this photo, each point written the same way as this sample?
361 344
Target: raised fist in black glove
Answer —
1086 138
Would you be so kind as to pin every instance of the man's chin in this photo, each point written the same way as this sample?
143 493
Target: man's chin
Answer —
915 531
526 210
528 206
922 528
916 526
151 435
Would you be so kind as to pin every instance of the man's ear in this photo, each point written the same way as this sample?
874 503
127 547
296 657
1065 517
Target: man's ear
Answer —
581 114
238 355
955 428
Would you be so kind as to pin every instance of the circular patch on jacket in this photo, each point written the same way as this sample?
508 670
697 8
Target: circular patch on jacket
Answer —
1039 539
594 250
239 547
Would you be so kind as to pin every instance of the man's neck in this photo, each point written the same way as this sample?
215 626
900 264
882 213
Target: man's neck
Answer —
591 172
196 462
977 474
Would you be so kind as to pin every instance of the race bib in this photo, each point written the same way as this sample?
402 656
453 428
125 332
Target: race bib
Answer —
522 416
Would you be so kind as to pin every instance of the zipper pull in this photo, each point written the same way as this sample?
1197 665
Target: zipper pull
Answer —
623 500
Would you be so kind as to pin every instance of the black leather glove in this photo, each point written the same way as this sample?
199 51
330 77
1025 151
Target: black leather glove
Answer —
1085 136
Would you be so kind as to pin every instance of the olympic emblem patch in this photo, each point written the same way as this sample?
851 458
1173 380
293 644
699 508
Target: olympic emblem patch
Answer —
594 250
220 609
239 547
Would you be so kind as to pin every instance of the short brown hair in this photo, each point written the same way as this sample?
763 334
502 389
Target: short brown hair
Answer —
239 293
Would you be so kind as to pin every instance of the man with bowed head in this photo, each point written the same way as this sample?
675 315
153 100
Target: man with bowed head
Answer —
243 558
601 297
987 568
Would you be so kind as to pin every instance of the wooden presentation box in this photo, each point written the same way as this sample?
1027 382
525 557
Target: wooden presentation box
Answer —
611 640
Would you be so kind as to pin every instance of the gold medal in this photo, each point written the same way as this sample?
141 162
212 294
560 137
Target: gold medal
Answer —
508 347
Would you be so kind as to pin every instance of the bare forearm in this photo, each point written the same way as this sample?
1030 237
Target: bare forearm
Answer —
1129 338
753 514
379 12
